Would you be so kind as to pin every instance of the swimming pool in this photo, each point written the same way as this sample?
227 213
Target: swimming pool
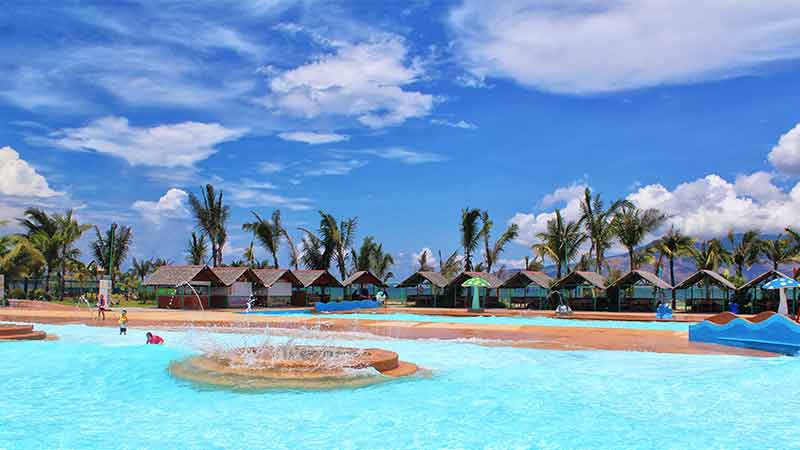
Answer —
495 320
93 389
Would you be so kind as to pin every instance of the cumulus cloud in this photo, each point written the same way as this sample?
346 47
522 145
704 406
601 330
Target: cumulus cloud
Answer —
786 155
171 205
20 179
604 46
432 261
566 198
174 145
367 81
310 137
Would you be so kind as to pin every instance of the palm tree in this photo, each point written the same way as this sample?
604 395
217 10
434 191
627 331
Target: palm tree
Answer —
40 230
674 244
778 251
631 225
269 233
492 252
338 238
710 255
69 231
19 257
197 250
536 263
142 268
560 242
451 266
746 252
294 255
314 253
422 261
371 257
111 245
470 234
597 220
210 216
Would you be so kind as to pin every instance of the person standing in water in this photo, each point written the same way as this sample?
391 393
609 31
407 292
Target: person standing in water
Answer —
123 323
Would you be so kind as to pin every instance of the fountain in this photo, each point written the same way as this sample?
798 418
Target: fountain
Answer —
288 365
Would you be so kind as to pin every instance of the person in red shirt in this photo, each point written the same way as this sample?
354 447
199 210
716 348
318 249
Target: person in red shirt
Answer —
153 339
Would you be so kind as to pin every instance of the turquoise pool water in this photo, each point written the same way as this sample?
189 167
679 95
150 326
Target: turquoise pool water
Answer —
96 390
496 320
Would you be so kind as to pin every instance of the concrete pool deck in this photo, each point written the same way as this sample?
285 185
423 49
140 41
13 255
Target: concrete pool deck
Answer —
543 337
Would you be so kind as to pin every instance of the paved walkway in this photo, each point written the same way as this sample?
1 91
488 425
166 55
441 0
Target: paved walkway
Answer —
547 337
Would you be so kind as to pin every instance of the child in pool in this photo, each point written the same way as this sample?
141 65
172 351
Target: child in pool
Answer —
123 323
153 339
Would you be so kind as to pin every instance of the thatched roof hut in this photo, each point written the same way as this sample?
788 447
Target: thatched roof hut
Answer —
268 277
638 276
763 278
709 275
177 275
494 282
526 278
580 278
321 278
230 275
434 278
363 277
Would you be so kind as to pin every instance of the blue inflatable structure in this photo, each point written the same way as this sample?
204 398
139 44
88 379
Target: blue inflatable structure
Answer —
347 305
777 333
663 311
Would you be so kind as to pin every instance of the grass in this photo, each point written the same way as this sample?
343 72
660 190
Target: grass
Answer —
131 303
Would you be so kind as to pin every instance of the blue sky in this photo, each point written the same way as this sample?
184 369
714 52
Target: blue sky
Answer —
400 114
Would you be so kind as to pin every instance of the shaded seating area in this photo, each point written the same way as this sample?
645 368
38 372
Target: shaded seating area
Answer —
753 298
461 296
583 291
637 291
362 285
705 291
275 287
427 288
315 286
236 288
529 289
183 287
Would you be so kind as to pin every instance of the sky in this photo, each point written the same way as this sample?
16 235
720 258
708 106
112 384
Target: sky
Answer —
400 113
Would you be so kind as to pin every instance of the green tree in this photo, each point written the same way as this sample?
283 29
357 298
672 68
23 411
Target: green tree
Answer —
470 234
114 245
492 251
371 257
451 266
631 225
211 216
338 238
269 233
69 232
197 249
674 244
560 241
778 251
422 261
41 231
315 254
710 255
142 268
597 220
746 251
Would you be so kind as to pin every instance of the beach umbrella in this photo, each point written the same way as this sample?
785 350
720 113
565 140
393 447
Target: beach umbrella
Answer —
475 283
781 284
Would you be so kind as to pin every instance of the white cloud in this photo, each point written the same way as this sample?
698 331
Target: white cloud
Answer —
563 194
460 124
432 261
402 154
530 224
364 80
171 205
175 145
334 167
310 137
605 45
249 197
270 167
20 179
759 186
786 155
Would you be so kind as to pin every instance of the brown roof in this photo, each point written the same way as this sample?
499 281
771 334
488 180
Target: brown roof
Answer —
634 276
230 275
268 277
700 275
579 277
363 277
494 282
764 277
434 278
525 278
175 275
316 278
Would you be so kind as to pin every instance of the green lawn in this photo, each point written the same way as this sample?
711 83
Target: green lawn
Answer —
122 303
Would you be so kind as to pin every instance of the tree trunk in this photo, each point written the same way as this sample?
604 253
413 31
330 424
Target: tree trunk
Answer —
630 258
672 281
61 281
275 260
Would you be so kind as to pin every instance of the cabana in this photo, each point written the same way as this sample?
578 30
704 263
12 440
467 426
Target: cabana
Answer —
275 286
183 287
583 290
752 298
236 289
362 279
637 290
489 297
529 289
429 288
311 279
712 296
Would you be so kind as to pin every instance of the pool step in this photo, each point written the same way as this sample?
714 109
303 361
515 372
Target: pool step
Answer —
20 333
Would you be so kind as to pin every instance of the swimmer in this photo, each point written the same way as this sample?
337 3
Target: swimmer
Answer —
153 339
